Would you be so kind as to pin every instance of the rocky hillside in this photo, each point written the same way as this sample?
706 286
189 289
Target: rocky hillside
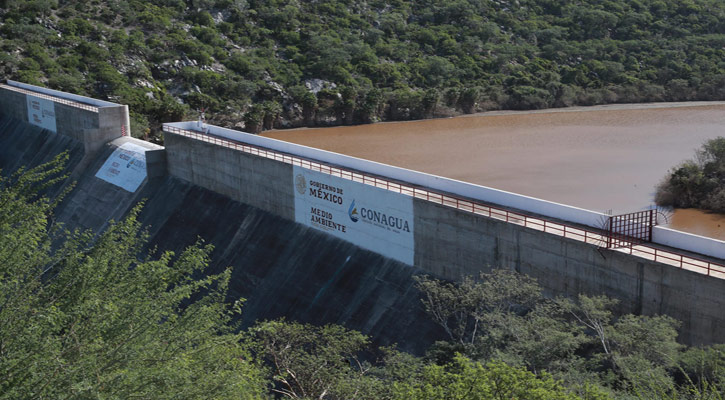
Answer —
257 64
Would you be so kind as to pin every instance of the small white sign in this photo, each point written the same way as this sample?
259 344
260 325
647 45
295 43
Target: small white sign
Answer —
125 168
41 112
372 218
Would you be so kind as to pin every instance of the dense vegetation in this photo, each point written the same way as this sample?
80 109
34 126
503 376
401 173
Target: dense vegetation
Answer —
698 183
88 319
257 64
85 317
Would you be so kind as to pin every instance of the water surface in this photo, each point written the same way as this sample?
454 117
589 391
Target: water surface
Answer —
599 158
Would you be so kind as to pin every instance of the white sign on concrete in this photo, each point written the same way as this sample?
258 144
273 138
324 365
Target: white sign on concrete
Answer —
125 168
41 112
372 218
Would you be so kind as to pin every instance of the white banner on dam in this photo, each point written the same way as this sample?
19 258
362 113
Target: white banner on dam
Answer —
41 112
369 217
125 168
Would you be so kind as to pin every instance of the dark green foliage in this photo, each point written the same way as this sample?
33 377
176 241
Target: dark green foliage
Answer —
391 57
308 361
466 379
504 316
85 317
698 183
323 363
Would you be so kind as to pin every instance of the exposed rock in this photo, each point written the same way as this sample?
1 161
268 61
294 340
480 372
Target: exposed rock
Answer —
145 83
220 16
315 85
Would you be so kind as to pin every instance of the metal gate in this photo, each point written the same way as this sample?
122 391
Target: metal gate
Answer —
630 229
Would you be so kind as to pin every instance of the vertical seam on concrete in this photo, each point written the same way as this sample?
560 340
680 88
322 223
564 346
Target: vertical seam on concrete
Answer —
517 264
640 288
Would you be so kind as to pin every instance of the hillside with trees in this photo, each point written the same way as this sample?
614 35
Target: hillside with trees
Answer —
255 65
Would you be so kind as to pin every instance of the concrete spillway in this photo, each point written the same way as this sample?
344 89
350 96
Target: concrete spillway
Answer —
25 145
280 267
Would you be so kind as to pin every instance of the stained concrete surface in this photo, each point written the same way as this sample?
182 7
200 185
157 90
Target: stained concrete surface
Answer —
452 244
283 269
26 145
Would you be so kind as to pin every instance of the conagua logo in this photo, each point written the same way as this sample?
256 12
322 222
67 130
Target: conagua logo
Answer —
300 184
352 212
381 218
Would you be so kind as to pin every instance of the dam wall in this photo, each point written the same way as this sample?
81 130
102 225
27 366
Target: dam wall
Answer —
26 145
230 174
89 121
454 243
458 189
324 238
451 237
281 268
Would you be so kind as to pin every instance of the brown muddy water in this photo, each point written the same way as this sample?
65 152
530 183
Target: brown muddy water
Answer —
599 158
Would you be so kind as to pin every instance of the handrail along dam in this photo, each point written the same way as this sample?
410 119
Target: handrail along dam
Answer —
323 237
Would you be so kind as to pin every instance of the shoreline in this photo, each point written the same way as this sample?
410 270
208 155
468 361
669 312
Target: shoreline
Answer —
494 113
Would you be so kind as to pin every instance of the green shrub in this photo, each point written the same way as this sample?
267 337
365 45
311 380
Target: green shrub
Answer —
698 183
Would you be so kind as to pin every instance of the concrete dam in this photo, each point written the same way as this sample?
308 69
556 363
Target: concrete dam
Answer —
325 238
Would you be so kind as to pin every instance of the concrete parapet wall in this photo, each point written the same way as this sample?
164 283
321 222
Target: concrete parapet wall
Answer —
687 241
12 104
249 179
452 244
477 192
62 95
75 122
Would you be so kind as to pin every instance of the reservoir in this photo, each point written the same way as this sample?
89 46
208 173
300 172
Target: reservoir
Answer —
603 158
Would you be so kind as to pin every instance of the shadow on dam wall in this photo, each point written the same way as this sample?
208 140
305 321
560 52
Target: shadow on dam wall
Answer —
282 268
25 145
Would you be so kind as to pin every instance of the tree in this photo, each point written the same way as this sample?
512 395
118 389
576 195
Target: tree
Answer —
254 118
469 98
704 369
472 307
311 362
699 182
640 349
87 318
272 109
468 380
503 316
307 100
430 102
347 104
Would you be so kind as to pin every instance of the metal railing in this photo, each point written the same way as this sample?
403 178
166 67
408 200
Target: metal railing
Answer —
598 238
55 99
